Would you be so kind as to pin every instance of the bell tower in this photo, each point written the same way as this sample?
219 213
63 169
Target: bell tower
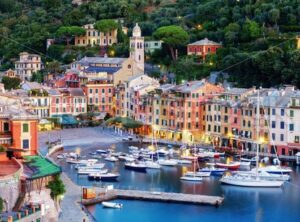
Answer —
137 50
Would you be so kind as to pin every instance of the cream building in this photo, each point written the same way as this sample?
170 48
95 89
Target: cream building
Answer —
116 69
27 65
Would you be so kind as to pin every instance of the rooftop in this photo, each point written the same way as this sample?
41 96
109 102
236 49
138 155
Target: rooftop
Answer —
109 70
205 41
36 167
100 60
8 167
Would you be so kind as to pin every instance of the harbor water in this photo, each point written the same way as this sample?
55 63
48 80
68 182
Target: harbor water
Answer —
241 204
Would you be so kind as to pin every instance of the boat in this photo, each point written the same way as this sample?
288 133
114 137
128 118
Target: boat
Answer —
183 161
86 166
251 160
198 174
298 158
111 159
276 169
88 171
191 178
248 180
112 205
162 152
229 166
103 176
164 162
135 166
102 151
152 165
214 171
133 148
245 164
265 175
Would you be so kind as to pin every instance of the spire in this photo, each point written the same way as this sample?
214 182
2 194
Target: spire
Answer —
136 32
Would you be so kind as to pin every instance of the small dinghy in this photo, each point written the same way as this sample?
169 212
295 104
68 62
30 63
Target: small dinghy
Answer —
112 205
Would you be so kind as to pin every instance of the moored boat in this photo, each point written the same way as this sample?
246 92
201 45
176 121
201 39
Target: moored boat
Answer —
103 176
135 166
164 162
229 166
112 205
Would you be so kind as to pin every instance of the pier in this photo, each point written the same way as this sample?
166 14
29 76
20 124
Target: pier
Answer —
155 196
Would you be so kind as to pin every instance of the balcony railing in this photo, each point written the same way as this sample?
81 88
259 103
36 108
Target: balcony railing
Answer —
5 135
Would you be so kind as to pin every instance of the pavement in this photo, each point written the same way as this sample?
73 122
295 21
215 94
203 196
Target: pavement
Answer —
71 208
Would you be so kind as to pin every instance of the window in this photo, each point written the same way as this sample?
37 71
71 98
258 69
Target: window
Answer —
291 113
273 124
109 90
57 100
25 144
282 112
281 137
6 127
103 90
291 127
273 136
281 125
25 128
91 90
273 112
296 139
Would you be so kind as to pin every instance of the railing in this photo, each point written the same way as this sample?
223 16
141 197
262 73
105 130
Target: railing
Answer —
6 135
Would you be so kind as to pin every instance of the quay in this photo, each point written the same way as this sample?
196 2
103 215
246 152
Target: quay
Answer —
155 196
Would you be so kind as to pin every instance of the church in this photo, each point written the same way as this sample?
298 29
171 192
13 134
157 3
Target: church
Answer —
113 69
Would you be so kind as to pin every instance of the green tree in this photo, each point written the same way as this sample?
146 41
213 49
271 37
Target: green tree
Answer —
1 205
232 32
250 30
57 188
173 36
274 15
37 77
68 32
53 67
106 26
11 83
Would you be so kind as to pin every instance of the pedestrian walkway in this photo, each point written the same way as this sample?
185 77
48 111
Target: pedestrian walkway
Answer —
72 211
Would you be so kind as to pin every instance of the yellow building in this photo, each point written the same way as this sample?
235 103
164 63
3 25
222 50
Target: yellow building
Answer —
45 125
93 37
298 42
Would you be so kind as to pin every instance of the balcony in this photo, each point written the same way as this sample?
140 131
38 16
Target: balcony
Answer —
5 138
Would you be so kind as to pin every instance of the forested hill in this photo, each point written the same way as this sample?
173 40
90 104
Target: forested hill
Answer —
262 33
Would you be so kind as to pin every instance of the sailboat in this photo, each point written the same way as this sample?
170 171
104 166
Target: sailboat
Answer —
151 164
249 180
192 176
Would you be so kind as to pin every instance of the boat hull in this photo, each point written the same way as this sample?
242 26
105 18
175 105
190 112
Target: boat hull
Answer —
136 168
252 183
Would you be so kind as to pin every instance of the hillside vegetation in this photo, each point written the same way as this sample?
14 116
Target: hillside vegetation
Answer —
258 36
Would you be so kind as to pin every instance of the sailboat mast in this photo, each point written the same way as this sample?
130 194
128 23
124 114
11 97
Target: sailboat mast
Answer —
257 130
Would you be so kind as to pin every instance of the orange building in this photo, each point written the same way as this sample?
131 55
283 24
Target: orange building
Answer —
100 94
202 48
18 130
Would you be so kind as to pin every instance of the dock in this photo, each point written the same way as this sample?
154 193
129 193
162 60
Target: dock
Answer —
195 199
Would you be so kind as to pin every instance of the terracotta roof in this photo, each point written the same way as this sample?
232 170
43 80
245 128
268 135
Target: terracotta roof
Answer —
205 42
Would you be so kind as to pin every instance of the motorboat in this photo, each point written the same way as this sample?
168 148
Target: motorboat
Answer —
276 169
112 205
251 160
230 165
88 171
102 151
245 164
89 165
191 178
162 152
127 158
133 148
165 162
183 161
111 159
152 165
135 166
103 176
197 174
213 170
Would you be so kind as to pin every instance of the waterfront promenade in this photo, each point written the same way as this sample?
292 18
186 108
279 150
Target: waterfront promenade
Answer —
71 209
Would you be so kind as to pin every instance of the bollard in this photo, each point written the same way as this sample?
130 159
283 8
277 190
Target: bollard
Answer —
19 215
26 212
10 219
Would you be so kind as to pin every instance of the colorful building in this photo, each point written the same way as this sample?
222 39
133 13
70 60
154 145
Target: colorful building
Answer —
27 65
202 48
100 95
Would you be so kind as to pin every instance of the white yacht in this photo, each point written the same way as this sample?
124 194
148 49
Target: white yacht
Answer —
165 162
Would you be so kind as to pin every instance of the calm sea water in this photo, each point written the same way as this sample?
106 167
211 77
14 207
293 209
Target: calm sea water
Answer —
241 204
